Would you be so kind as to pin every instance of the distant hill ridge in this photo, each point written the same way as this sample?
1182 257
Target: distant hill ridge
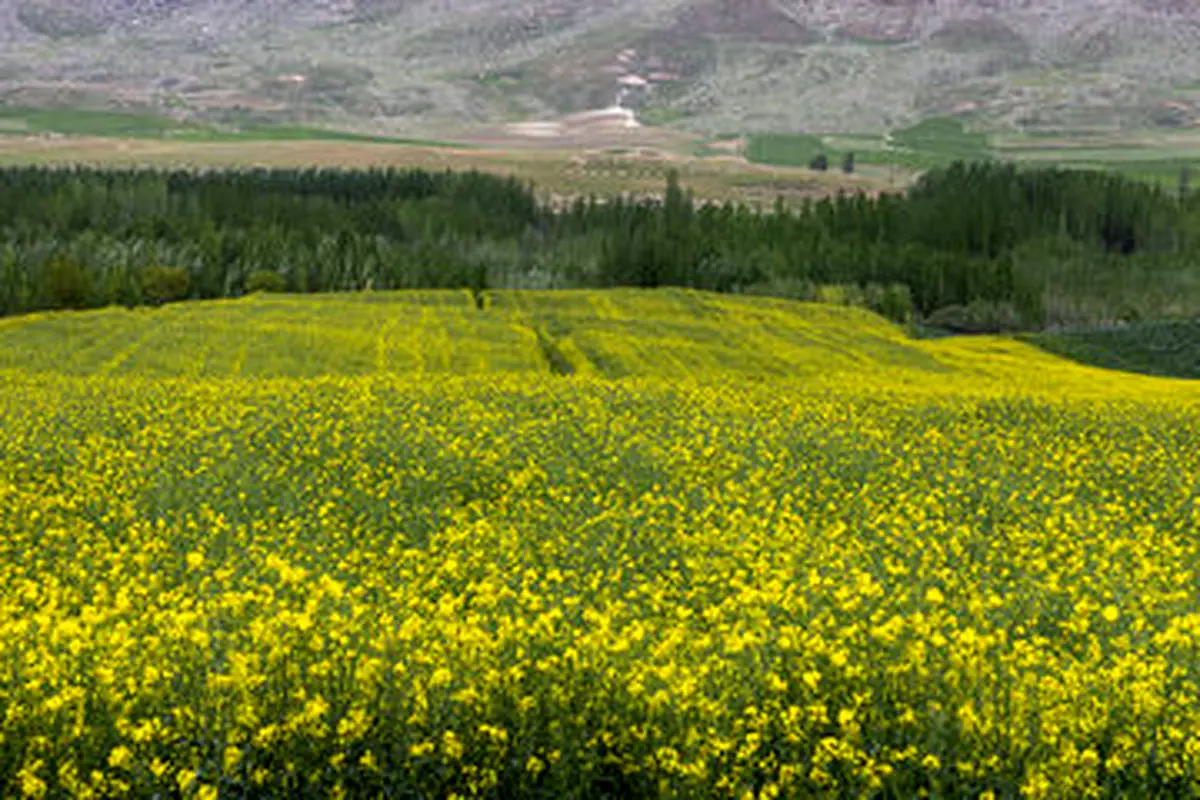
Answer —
715 65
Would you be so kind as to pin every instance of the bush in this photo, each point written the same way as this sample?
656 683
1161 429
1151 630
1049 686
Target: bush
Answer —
164 284
265 280
841 294
67 284
981 316
893 301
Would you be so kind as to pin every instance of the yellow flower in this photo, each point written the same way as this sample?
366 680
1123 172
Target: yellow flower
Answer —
184 779
451 746
31 784
120 757
748 526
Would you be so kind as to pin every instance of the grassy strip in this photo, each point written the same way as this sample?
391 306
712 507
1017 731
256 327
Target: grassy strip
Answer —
71 122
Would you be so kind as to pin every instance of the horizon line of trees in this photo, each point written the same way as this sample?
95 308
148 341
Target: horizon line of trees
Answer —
982 244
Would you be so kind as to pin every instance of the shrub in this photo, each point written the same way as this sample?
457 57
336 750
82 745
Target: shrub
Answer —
893 301
164 284
67 284
980 316
841 294
265 280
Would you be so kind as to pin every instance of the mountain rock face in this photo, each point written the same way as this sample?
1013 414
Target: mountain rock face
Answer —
716 65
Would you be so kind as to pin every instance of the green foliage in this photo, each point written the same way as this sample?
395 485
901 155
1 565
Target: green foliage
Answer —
980 316
164 284
265 280
893 301
1168 348
66 284
840 294
999 246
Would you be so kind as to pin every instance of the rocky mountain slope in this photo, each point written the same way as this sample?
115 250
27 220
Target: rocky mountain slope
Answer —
711 65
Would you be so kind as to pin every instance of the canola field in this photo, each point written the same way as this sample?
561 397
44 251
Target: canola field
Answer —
586 544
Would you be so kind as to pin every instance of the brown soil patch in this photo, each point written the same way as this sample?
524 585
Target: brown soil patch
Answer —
560 171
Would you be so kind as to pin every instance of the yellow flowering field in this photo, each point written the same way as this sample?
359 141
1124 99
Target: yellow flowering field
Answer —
586 544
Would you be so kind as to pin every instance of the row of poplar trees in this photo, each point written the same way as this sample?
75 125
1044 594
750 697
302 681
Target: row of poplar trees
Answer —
967 234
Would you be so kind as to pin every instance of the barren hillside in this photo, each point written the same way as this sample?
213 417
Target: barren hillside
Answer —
711 65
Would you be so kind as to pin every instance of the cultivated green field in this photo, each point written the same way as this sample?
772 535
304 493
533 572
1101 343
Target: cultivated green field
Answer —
932 143
1152 156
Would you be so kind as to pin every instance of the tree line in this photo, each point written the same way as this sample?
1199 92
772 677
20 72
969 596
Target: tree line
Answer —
985 244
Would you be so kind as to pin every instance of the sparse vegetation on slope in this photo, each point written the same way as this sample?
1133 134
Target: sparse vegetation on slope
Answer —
423 67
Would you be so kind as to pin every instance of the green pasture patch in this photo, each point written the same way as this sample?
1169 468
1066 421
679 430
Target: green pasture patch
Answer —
785 149
945 137
1166 349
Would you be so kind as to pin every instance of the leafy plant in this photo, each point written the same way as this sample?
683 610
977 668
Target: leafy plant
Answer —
67 283
980 316
165 284
265 280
